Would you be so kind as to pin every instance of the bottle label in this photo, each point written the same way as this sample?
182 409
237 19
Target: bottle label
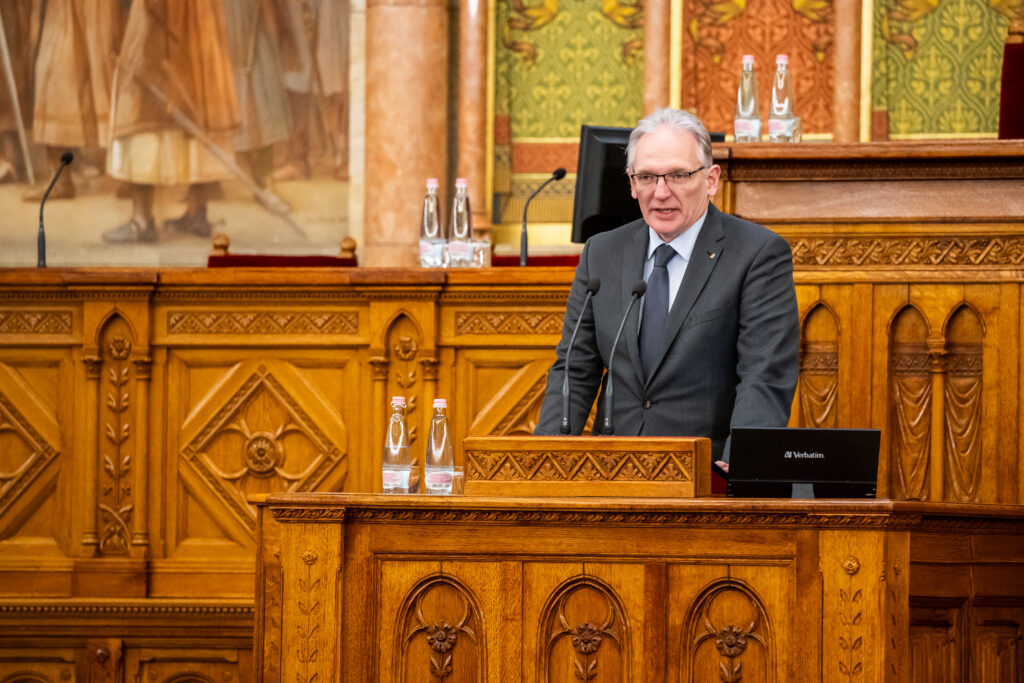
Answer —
747 128
395 479
438 481
785 130
460 249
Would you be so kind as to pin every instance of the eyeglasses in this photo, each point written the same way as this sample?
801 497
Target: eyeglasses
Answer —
671 178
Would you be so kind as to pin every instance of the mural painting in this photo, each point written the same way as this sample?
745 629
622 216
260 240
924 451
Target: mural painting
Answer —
185 118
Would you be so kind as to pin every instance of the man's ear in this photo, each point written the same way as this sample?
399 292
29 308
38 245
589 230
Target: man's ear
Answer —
712 179
632 188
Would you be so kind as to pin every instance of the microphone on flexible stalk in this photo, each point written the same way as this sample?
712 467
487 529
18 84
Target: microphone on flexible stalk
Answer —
593 286
606 424
65 159
558 174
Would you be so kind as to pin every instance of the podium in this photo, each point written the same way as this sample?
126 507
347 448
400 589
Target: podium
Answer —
595 585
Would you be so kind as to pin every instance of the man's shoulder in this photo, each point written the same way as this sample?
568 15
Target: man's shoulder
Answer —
747 231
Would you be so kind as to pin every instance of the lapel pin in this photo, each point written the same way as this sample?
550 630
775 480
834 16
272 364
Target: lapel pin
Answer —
712 255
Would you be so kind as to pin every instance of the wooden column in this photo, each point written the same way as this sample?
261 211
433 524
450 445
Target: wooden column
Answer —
657 29
93 366
937 460
406 118
846 95
472 162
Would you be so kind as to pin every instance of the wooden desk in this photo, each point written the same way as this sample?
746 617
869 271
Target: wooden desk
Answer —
414 588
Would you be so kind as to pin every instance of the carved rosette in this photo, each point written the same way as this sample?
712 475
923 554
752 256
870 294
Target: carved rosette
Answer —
585 614
744 637
261 436
117 442
580 466
443 612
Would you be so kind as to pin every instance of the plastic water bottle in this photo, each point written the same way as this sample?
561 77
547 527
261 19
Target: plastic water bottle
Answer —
432 241
783 125
395 466
747 124
439 463
460 237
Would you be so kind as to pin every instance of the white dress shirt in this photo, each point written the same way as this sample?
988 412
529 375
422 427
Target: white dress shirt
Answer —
683 244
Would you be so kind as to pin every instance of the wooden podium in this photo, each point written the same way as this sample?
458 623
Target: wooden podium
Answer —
355 588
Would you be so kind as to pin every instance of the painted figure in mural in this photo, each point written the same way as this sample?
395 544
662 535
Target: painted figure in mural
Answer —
18 19
175 112
715 342
255 29
74 72
316 75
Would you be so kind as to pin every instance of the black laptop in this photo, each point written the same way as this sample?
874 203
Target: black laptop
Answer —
767 462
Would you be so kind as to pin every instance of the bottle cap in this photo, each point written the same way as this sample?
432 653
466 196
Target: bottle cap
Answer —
782 59
748 59
440 403
461 182
432 182
398 400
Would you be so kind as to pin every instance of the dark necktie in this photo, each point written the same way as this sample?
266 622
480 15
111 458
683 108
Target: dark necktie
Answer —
652 327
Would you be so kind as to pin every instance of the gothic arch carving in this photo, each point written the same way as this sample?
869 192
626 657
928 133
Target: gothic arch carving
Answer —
910 400
963 405
440 634
583 630
727 635
819 368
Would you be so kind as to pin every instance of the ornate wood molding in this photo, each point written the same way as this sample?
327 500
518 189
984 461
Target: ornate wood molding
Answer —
262 323
26 322
907 250
868 169
491 322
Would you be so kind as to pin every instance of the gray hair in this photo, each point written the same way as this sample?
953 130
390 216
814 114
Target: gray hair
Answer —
673 118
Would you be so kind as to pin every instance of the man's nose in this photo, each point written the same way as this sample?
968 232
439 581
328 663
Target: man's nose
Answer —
661 188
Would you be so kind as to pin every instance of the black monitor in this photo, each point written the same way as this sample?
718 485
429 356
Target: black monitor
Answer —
603 200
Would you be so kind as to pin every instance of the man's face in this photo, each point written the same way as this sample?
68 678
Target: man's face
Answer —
667 207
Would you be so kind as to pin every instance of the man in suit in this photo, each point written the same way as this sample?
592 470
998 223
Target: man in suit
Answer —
714 343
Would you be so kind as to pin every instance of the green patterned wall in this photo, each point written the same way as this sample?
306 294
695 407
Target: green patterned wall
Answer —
562 64
937 66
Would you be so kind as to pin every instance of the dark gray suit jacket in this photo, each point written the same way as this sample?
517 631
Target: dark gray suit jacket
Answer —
731 356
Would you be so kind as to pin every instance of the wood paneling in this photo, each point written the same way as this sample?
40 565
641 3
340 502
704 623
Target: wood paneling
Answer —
139 408
620 589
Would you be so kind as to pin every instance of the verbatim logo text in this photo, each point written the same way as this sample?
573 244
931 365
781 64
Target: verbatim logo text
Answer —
803 455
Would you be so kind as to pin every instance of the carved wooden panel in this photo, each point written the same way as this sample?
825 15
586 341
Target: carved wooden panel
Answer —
937 639
440 633
30 665
963 404
910 419
998 652
584 634
30 450
726 631
819 369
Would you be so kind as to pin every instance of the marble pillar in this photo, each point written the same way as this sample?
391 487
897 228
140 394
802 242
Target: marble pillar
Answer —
657 54
406 122
472 161
846 95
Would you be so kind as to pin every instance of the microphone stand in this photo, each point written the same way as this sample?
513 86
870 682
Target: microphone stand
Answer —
558 174
606 425
65 159
592 288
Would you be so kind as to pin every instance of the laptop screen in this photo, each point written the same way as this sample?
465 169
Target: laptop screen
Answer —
804 463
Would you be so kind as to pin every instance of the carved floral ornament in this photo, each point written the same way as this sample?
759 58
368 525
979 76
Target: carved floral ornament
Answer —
452 622
730 640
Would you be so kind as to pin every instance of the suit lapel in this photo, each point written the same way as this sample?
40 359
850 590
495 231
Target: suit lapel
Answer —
633 272
707 252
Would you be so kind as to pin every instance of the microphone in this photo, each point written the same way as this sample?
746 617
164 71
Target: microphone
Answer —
558 174
65 159
593 286
606 425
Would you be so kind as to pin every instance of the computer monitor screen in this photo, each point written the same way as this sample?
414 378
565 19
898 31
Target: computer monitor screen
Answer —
603 200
